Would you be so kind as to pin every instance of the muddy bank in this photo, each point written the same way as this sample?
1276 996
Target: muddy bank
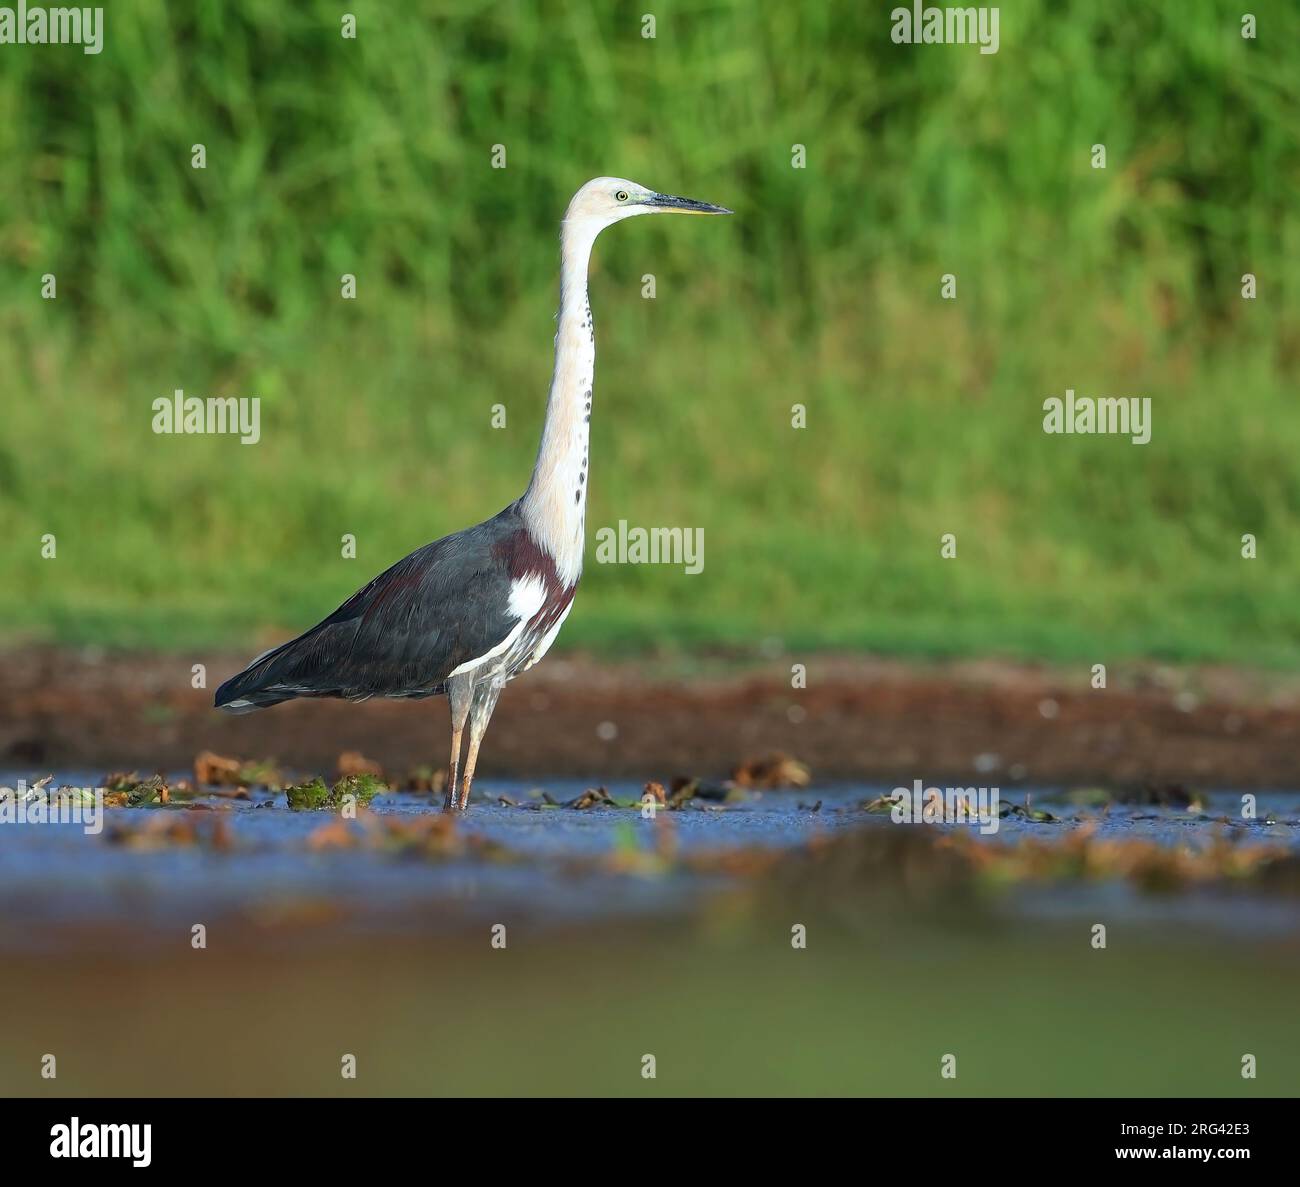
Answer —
859 717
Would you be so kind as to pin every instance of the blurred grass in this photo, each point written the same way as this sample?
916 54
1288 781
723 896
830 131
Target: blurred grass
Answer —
372 157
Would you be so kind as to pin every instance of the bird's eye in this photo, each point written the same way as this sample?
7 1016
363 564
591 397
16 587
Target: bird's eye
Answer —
621 195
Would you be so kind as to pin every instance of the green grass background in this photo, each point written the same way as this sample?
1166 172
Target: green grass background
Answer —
373 156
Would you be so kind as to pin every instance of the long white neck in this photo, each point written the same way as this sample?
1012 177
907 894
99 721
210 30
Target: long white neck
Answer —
555 504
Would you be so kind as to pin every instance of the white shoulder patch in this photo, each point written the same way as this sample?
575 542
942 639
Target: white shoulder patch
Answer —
527 595
526 598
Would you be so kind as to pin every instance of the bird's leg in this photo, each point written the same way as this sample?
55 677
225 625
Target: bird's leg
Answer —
485 700
459 695
449 799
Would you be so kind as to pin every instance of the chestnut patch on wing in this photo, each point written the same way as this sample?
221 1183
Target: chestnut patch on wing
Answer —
524 557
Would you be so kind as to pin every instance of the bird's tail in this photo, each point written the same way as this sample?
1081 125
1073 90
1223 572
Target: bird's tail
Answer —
257 686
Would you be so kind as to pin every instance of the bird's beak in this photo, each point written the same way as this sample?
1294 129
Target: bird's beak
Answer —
672 205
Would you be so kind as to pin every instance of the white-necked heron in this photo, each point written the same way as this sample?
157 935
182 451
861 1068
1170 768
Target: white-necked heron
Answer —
471 611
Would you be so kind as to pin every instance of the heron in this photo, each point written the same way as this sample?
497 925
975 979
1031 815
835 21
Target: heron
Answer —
466 614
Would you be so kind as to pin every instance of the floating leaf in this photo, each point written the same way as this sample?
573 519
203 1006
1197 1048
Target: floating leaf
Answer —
772 771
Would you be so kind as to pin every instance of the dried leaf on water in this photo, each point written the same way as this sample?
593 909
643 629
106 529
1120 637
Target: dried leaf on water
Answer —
771 772
215 770
130 791
880 805
593 797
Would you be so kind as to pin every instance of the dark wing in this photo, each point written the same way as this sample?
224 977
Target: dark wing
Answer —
401 635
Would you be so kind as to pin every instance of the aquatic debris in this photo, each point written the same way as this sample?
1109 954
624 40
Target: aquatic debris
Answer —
130 791
539 798
305 797
1166 795
73 797
771 772
685 790
39 797
353 762
166 830
214 770
1026 811
24 793
593 797
882 804
420 836
362 787
1147 863
315 796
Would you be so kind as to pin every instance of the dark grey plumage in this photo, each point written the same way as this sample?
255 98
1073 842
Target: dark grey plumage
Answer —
407 630
468 613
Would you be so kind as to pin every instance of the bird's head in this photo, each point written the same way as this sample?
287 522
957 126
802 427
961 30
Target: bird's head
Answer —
604 201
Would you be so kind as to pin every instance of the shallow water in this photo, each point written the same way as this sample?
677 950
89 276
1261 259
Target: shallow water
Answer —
56 879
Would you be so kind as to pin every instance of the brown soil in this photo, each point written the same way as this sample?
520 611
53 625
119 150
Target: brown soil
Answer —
860 718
